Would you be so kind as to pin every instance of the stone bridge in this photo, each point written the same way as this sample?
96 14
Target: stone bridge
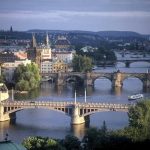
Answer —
79 112
129 61
116 78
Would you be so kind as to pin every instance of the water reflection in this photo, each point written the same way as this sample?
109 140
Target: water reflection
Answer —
79 130
117 91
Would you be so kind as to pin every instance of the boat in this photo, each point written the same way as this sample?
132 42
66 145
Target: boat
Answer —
135 97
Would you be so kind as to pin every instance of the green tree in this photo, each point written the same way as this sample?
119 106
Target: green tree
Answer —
27 77
139 119
71 143
81 63
41 143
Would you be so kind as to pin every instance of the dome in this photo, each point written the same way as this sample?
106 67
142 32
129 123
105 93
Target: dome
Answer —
9 145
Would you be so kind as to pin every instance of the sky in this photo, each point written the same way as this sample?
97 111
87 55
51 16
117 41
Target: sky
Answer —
87 15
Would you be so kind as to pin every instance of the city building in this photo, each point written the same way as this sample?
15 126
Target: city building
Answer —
6 56
59 66
65 56
40 53
46 66
62 43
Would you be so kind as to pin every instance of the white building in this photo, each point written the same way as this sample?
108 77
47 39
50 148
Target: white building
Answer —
46 66
65 56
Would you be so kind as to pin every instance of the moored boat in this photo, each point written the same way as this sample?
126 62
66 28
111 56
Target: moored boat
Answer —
135 97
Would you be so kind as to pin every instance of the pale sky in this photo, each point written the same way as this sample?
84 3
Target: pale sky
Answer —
88 15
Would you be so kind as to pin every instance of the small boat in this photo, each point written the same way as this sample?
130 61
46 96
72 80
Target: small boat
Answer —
135 97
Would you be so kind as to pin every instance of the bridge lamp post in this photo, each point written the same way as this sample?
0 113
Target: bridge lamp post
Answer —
75 97
104 60
85 96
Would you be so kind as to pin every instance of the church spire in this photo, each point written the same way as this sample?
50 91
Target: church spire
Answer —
33 41
47 40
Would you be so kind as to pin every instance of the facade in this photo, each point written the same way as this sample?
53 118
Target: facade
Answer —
65 56
62 43
41 53
7 56
45 53
59 66
46 66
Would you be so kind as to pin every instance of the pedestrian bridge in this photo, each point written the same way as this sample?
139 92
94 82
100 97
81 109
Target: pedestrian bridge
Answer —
78 111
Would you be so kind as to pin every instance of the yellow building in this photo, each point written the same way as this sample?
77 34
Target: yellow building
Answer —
59 66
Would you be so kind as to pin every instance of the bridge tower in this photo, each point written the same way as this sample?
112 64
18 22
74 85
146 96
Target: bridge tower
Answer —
117 79
60 79
88 80
76 118
4 96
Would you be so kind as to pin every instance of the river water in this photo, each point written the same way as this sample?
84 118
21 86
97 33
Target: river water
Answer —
42 122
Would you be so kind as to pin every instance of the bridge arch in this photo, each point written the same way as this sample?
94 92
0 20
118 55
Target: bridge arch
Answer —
108 77
49 78
140 80
139 62
74 78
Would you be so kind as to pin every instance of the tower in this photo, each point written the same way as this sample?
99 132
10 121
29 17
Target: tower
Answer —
33 43
47 41
11 29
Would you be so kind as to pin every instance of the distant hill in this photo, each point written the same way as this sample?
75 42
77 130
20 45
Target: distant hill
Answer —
119 34
100 33
77 37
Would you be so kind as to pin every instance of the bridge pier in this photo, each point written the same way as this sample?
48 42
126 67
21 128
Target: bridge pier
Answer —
3 117
117 79
60 79
146 83
76 118
88 81
127 64
6 117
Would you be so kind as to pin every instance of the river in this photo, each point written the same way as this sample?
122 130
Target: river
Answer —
42 122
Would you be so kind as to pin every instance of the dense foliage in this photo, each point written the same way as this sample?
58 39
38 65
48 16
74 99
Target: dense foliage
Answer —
139 122
99 55
81 63
41 143
27 77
